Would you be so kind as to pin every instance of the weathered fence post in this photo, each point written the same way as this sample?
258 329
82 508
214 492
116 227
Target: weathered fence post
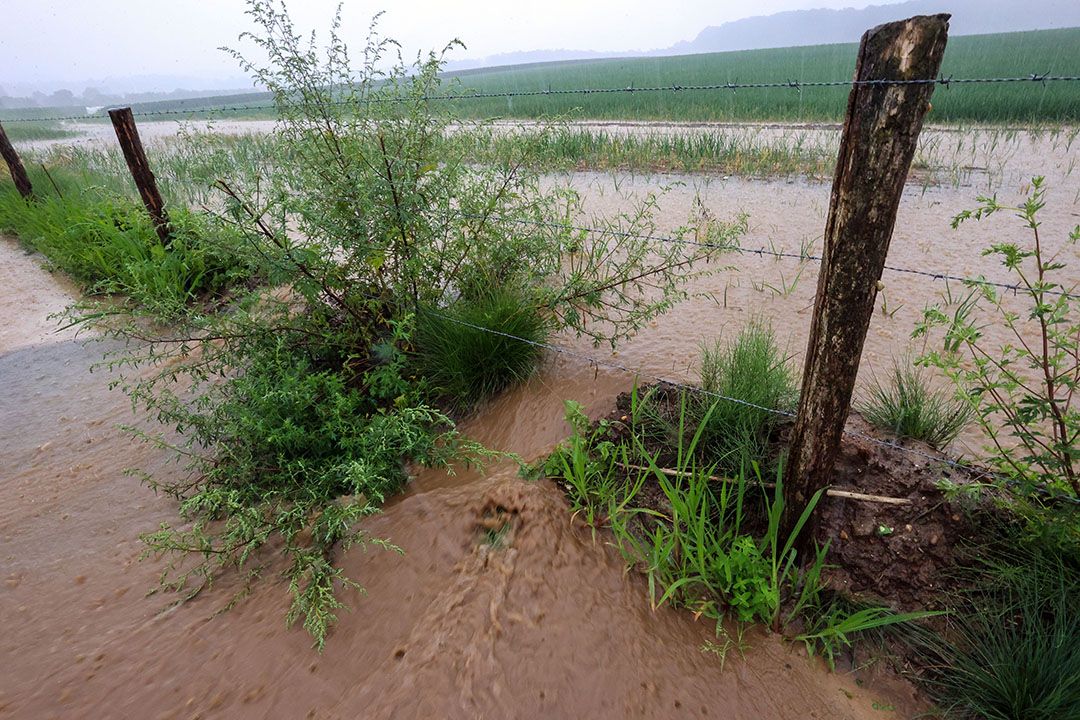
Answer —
880 132
128 136
18 172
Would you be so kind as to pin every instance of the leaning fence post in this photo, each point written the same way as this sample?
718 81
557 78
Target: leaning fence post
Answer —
881 128
18 172
128 136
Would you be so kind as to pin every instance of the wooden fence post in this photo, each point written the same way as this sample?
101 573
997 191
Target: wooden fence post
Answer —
128 136
881 129
18 172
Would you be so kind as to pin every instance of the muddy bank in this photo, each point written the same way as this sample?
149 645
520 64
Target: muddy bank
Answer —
499 606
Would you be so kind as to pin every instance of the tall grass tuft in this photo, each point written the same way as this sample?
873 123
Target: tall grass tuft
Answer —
906 404
464 362
754 373
1012 652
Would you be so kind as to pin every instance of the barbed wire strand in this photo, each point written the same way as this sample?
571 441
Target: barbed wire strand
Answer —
768 252
595 362
674 88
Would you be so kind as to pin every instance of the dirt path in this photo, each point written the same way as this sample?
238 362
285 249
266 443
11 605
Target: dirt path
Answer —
547 624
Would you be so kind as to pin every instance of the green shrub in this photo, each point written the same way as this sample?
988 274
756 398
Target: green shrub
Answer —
296 407
463 361
752 370
906 405
1022 391
297 446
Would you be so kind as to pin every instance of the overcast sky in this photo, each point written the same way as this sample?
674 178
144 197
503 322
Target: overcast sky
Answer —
71 42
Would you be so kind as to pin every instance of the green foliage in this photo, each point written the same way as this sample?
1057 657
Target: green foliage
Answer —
697 553
833 623
298 407
1005 54
1021 392
108 243
712 545
28 131
753 370
464 352
906 405
299 449
1002 55
1011 651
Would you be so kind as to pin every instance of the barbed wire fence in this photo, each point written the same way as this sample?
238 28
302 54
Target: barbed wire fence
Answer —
675 88
1042 78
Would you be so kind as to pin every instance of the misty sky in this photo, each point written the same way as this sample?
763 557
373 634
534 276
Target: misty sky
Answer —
54 43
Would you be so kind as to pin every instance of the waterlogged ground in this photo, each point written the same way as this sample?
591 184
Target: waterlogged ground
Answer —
546 624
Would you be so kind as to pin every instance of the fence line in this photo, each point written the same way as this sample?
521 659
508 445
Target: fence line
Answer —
673 88
767 252
595 362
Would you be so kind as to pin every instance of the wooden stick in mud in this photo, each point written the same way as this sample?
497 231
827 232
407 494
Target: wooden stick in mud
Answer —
18 172
831 492
881 128
128 136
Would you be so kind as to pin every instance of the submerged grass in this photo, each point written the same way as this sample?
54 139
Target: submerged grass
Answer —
906 404
727 151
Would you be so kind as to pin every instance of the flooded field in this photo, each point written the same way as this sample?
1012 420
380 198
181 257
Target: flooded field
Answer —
543 623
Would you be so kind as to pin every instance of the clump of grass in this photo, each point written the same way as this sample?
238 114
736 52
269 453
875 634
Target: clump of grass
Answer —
108 244
466 363
754 373
906 404
714 547
1012 652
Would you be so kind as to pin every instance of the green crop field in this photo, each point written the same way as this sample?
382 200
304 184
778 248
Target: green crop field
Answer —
1011 54
1055 52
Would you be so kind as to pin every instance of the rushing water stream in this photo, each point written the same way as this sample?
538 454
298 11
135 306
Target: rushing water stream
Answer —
545 624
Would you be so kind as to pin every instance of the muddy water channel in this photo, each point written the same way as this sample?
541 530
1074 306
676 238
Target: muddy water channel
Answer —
545 624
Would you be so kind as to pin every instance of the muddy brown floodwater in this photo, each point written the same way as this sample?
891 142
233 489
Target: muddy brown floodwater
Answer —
546 624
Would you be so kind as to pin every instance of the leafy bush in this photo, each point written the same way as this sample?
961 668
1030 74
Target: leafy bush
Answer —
301 450
753 371
297 407
906 405
464 352
1022 390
